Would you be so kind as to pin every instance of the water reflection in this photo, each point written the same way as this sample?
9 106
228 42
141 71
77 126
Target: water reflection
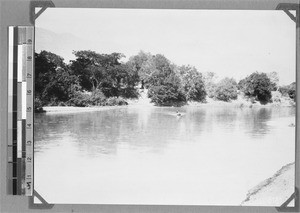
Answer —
153 128
151 156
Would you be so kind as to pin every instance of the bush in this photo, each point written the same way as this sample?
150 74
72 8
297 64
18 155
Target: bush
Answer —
166 95
97 98
115 101
289 90
192 83
165 88
292 94
130 92
38 106
257 85
80 99
226 90
210 90
284 90
276 97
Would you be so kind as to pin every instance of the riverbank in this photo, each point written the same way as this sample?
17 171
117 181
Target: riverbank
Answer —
136 103
70 109
144 101
241 102
275 190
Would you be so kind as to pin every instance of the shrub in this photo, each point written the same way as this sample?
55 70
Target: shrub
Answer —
97 98
165 89
289 90
284 90
210 90
226 90
166 95
210 83
192 83
292 91
276 97
292 94
38 106
80 99
115 101
257 85
130 92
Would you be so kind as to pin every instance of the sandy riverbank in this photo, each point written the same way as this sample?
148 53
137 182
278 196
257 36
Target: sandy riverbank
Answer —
70 109
241 102
144 101
275 190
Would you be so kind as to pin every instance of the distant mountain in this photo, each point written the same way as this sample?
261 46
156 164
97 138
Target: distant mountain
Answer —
60 44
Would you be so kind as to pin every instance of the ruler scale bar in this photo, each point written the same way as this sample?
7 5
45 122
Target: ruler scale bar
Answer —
19 139
20 110
9 170
29 110
24 68
15 109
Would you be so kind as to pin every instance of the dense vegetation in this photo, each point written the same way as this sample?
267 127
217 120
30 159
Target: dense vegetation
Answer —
226 90
257 85
289 90
95 79
90 79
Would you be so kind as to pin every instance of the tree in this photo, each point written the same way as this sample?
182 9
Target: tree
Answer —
192 83
120 80
292 91
210 83
273 76
91 67
46 64
104 72
143 64
257 85
164 85
54 82
169 93
289 90
161 70
226 90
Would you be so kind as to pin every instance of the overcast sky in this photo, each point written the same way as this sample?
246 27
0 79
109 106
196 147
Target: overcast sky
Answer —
230 43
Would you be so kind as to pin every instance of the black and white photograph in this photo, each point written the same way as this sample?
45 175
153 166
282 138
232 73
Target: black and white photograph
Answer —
164 107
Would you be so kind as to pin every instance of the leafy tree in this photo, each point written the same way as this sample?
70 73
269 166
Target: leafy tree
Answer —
119 80
292 91
257 85
192 83
91 67
169 93
143 64
54 82
45 66
161 70
104 72
226 90
289 90
273 76
210 83
164 85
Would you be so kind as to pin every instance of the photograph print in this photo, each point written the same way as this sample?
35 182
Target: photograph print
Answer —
165 107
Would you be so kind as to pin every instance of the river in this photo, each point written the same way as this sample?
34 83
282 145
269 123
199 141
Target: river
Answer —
148 155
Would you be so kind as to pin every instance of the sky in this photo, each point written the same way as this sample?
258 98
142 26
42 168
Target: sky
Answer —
231 43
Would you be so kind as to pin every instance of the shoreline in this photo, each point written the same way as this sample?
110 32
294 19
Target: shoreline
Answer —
274 191
143 101
73 109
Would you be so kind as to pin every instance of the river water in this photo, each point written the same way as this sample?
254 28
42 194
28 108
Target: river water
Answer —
148 155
